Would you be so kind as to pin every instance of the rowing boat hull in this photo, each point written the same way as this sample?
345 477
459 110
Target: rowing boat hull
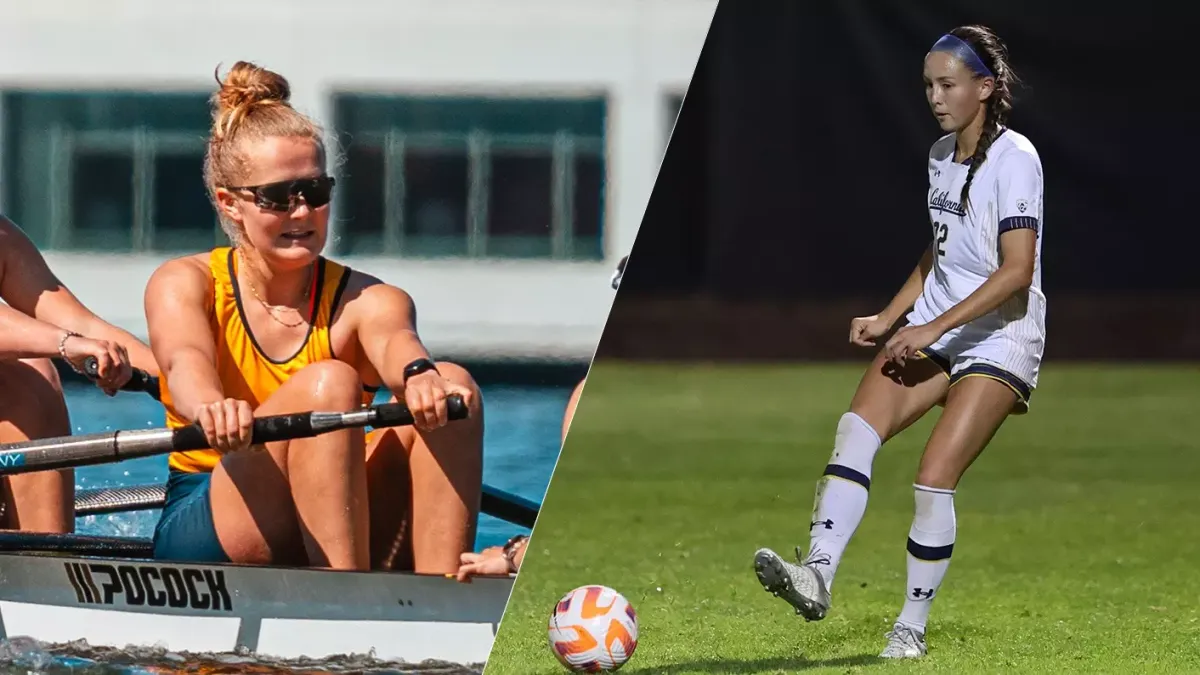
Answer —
282 613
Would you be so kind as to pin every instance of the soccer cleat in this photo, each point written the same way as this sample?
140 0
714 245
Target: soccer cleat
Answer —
904 642
801 586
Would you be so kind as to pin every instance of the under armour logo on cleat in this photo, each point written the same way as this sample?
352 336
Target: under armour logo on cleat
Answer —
919 593
827 523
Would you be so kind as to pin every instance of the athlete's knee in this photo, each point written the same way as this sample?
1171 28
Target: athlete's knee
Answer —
868 420
31 394
456 374
44 370
854 448
31 379
335 384
576 393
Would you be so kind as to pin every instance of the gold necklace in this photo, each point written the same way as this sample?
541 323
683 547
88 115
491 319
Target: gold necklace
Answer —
272 309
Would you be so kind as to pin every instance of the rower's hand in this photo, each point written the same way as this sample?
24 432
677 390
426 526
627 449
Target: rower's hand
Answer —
227 424
425 395
112 360
489 561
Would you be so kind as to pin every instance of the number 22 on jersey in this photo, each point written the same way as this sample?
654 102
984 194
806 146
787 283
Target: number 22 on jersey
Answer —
940 233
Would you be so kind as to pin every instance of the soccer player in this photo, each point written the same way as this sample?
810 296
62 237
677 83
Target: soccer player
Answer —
973 343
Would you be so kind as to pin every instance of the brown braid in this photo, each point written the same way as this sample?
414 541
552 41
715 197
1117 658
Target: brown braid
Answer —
994 54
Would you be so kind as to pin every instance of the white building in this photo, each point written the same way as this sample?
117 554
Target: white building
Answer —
498 153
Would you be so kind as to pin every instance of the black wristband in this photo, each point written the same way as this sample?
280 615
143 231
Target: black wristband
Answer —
417 367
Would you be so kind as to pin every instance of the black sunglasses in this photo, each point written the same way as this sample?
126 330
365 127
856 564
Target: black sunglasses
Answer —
281 196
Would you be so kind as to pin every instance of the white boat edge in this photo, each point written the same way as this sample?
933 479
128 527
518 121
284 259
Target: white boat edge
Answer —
283 613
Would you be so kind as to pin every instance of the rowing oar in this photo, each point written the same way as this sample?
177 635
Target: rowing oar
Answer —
101 501
107 447
494 501
98 501
76 545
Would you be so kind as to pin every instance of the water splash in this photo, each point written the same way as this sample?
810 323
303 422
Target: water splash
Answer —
25 652
27 656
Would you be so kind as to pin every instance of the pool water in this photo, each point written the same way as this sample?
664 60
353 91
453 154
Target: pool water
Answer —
522 427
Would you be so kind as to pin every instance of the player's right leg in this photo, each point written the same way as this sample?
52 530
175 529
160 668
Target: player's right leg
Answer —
982 396
888 400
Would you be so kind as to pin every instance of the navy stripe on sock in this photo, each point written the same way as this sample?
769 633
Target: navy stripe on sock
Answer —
929 553
846 473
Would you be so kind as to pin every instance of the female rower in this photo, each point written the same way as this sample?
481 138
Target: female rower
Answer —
269 326
42 320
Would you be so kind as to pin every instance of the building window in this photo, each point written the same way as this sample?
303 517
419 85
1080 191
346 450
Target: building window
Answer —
471 177
108 171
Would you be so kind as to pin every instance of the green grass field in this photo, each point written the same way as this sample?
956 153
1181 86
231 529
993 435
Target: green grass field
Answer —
1077 529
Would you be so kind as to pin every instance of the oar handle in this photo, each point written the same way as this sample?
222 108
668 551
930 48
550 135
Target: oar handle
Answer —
108 447
501 504
309 424
282 427
140 381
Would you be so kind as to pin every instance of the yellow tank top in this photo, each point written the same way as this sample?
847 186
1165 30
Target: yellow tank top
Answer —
245 372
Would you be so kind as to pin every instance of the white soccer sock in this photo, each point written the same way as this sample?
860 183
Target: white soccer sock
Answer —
930 543
842 494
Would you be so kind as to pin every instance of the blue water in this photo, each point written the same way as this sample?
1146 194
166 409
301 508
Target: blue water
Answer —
522 427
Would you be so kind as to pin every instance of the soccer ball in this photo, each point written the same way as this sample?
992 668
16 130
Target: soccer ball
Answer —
593 629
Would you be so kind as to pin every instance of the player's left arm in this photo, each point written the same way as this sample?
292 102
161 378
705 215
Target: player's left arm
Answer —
31 287
385 319
1018 194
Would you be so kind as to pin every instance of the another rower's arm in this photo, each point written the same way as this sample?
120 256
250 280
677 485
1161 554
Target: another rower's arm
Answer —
24 337
386 322
31 287
177 296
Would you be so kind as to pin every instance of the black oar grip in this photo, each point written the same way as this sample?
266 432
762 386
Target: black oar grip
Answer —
187 438
266 430
456 408
307 425
139 381
398 415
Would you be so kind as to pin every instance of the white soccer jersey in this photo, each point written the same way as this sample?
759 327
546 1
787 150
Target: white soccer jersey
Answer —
1006 193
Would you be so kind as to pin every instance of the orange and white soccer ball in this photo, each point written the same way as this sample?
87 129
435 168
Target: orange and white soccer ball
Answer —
593 629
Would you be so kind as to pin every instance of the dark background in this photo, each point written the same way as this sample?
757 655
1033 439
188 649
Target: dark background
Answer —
791 197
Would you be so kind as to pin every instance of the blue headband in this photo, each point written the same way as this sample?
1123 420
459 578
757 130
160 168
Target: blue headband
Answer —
964 53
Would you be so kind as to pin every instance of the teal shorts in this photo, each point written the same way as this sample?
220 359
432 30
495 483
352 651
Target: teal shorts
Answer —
185 532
